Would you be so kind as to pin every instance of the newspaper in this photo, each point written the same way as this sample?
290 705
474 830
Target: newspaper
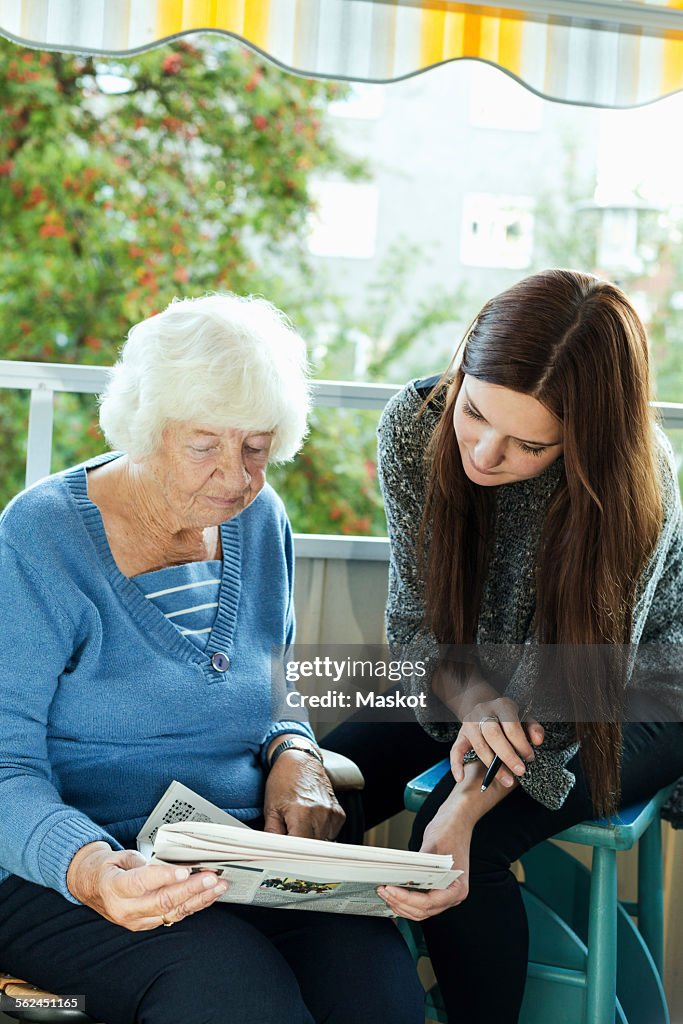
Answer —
269 870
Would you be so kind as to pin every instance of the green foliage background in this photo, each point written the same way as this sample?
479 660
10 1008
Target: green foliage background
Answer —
195 178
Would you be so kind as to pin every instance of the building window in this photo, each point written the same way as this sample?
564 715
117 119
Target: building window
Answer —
497 231
345 220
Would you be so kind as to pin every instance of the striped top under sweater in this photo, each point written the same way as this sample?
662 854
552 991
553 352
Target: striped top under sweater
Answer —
187 595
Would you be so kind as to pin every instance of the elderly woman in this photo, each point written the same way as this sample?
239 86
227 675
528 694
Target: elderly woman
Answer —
143 593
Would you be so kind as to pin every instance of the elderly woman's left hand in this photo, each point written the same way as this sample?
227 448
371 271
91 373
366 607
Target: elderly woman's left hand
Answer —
299 798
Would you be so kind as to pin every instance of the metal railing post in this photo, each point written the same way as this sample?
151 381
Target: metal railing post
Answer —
39 444
44 379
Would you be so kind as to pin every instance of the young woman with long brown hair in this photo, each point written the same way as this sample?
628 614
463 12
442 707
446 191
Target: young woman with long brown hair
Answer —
535 520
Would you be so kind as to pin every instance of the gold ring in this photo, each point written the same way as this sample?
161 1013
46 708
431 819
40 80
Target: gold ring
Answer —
166 923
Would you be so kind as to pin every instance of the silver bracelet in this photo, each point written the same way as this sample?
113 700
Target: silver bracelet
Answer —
293 745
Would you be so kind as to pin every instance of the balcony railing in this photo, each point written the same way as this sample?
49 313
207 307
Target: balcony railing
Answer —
44 379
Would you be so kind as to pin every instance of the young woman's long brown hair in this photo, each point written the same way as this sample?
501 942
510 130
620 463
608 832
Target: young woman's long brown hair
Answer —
574 343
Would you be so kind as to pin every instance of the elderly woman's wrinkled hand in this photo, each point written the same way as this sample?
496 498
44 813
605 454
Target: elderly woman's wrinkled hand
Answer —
300 800
121 886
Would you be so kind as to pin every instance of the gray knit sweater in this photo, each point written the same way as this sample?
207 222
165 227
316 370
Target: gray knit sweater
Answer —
508 598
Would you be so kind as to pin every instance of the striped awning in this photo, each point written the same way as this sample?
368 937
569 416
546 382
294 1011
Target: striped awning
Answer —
610 53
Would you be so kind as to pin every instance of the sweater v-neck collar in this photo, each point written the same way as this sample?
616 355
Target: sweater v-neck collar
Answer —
151 619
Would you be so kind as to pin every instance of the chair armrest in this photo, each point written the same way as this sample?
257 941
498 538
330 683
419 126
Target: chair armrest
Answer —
9 979
343 772
15 988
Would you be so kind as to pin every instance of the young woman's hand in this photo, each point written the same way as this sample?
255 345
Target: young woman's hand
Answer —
449 831
446 833
493 727
417 906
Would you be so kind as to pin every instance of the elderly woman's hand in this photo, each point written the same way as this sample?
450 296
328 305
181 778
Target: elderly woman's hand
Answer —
299 798
121 886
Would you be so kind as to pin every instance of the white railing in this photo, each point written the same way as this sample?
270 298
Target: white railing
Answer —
44 379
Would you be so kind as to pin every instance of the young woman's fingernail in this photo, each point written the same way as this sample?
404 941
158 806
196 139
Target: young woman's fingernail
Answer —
506 780
181 874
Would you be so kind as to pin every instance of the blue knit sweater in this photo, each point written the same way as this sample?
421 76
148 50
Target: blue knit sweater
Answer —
103 701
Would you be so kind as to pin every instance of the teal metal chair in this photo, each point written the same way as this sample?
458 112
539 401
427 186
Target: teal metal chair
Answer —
588 962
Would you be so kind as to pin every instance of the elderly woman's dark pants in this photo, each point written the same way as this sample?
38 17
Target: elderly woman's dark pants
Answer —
479 949
224 965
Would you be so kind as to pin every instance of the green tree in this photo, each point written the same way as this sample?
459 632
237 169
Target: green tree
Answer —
124 183
186 169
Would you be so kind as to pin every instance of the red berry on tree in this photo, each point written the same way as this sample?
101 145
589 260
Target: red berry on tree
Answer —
172 64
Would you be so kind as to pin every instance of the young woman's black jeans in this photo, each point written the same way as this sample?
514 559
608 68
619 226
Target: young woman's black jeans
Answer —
479 949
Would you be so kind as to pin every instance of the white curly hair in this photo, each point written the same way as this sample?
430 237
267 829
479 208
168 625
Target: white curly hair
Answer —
221 360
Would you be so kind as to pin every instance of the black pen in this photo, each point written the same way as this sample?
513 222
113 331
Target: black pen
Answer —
491 773
492 769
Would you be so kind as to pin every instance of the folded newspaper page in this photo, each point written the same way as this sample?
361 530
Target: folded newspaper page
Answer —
179 803
268 870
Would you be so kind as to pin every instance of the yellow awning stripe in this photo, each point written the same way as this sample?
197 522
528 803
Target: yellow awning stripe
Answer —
510 44
672 66
432 38
169 18
454 36
672 58
489 39
256 19
471 46
231 12
377 40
